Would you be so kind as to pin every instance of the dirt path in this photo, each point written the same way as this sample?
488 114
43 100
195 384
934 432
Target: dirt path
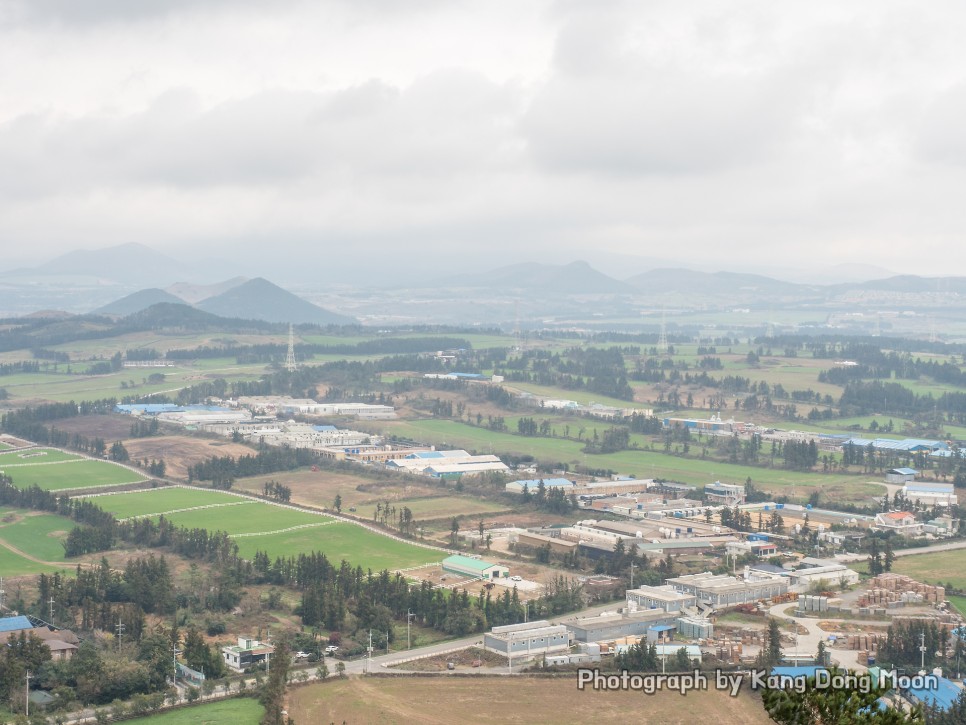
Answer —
35 560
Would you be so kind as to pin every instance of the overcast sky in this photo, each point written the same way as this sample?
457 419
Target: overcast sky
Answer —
737 135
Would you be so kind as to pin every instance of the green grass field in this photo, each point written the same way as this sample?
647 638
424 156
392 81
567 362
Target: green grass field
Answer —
33 456
76 474
958 602
247 519
237 711
14 565
38 535
342 541
943 566
160 500
338 540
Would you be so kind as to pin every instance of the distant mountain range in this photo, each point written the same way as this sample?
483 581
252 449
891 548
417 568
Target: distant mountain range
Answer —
126 264
580 278
126 279
574 278
255 299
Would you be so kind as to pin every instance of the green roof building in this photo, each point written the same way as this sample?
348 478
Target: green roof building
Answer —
476 568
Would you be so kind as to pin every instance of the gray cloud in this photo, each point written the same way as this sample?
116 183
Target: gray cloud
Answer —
552 129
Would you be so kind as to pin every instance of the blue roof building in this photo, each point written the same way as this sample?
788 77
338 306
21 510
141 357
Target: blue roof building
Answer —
943 695
12 624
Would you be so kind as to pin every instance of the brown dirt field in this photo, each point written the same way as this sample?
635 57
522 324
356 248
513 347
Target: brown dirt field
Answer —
319 488
501 700
108 427
180 451
404 408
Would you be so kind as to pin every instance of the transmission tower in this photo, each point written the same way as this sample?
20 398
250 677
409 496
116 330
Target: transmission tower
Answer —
290 363
662 346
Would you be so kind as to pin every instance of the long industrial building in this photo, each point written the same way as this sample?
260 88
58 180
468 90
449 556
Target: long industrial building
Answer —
723 590
447 464
528 639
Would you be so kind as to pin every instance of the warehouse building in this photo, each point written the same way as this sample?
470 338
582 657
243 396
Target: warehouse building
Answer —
447 464
723 590
528 639
663 597
532 484
815 571
906 445
930 494
615 625
475 568
667 651
901 475
538 541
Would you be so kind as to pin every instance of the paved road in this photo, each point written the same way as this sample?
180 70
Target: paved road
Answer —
807 644
931 549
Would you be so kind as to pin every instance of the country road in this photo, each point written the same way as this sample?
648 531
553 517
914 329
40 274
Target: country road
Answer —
931 549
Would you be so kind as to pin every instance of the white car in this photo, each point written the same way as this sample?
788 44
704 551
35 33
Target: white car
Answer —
331 649
301 655
516 578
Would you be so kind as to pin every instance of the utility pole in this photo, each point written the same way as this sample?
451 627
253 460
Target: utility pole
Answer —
632 572
174 663
290 363
509 653
120 633
369 654
922 651
51 603
26 700
526 610
387 642
409 619
2 592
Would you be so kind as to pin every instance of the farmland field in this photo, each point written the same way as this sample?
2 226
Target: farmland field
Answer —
508 700
38 535
641 463
181 451
80 473
444 506
33 456
12 564
250 518
260 526
342 541
161 501
943 566
236 711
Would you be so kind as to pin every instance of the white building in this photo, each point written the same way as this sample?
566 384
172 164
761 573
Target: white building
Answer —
902 522
663 597
528 639
247 653
446 464
930 494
